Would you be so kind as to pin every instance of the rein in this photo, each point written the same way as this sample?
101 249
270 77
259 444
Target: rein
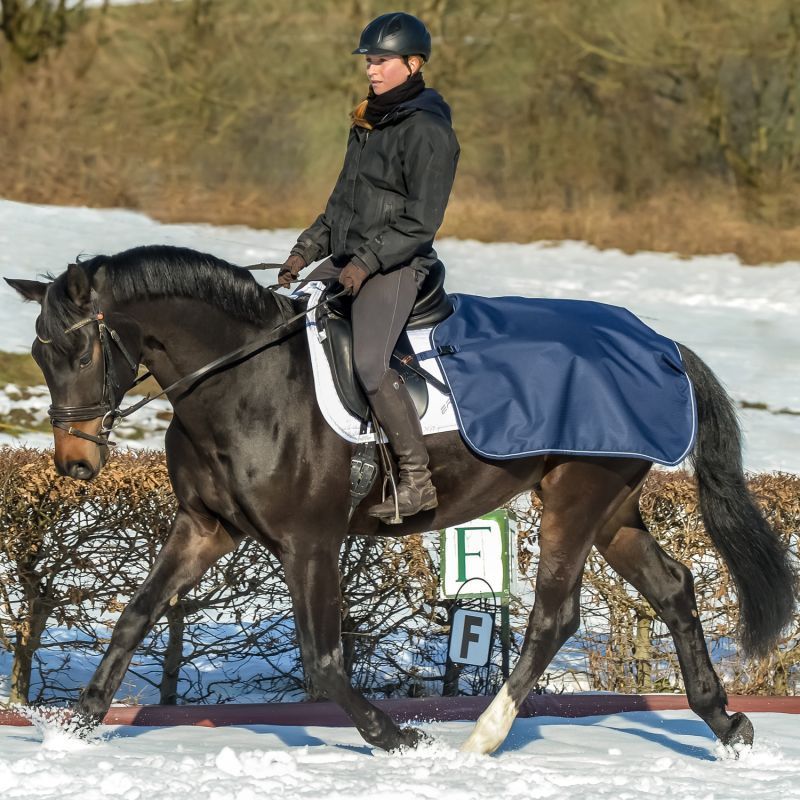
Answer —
112 414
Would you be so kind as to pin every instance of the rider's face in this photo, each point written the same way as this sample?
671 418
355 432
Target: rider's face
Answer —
387 72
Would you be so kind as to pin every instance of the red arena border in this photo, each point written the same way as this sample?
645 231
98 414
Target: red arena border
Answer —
434 709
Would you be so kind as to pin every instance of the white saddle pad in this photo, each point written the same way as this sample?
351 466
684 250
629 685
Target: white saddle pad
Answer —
439 416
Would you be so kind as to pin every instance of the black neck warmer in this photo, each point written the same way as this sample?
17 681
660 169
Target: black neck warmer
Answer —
379 105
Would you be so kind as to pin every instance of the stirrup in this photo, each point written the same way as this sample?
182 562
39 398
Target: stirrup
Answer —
396 519
428 504
388 473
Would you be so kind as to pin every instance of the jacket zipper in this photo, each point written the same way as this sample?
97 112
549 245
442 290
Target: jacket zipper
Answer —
346 228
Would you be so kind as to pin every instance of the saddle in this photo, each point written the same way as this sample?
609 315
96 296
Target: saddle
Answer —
333 326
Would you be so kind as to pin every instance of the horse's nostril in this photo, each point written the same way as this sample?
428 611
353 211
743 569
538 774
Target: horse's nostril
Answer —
80 470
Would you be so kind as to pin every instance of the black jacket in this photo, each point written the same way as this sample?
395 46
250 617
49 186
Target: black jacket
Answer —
390 197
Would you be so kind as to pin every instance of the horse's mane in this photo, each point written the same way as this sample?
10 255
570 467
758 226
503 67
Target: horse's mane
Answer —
155 271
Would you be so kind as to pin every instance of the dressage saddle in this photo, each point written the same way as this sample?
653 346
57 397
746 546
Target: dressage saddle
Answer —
333 325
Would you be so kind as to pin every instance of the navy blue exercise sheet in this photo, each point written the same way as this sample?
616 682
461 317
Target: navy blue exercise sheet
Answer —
531 376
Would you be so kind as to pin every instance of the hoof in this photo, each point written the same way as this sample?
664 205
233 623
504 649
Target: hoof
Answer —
83 724
83 728
66 721
741 732
411 739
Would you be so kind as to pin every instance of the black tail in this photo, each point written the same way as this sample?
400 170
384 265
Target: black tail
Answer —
756 559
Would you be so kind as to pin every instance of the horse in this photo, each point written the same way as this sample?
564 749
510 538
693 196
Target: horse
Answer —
250 455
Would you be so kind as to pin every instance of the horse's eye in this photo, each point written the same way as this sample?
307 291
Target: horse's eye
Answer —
85 359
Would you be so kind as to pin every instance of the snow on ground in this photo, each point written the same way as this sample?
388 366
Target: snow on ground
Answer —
743 321
635 755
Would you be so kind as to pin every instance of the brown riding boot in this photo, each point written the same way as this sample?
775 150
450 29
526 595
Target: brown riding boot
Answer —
395 411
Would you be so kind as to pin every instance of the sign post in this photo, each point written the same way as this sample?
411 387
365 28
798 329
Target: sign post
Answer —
478 562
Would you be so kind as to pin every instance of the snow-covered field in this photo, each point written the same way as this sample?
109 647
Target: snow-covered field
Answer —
744 321
636 755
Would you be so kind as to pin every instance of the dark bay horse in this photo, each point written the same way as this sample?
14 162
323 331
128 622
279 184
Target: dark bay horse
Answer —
249 454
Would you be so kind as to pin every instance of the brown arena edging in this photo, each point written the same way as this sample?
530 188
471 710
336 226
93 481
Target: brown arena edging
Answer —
436 709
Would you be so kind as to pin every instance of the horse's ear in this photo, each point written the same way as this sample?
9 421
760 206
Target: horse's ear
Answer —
30 290
79 286
100 279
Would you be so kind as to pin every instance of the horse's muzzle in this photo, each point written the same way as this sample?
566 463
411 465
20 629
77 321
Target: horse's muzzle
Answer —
80 470
78 458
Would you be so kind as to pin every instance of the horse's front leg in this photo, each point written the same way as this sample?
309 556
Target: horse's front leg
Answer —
193 544
314 584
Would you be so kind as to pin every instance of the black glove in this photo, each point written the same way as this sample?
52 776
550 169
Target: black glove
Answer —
351 277
290 270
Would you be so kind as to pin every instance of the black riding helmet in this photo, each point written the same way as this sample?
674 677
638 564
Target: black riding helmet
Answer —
395 34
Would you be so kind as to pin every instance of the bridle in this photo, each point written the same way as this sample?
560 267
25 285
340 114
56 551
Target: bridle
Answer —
109 411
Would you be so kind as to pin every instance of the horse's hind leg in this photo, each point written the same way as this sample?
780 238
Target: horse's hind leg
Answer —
668 586
193 544
314 584
554 618
578 499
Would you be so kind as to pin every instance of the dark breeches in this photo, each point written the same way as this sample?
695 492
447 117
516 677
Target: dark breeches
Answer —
380 312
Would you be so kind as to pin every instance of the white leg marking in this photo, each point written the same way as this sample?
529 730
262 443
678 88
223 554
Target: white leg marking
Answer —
493 726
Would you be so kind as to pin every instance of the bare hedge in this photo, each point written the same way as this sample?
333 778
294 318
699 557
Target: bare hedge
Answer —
622 645
71 554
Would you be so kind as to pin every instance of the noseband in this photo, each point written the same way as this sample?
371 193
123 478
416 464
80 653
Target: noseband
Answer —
107 409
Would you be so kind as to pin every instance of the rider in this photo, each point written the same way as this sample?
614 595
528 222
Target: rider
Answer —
379 225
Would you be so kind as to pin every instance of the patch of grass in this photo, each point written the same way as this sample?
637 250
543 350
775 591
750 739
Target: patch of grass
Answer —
19 369
20 421
759 406
128 434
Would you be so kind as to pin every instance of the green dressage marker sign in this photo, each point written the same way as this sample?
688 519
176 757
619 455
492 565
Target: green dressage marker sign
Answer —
481 549
479 562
